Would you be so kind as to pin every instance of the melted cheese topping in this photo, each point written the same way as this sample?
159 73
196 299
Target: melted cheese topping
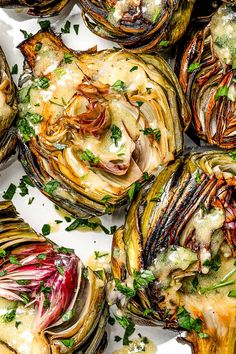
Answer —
22 339
223 28
138 346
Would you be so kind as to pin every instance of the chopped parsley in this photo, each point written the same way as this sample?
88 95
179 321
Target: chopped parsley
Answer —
100 254
60 270
26 130
26 34
187 322
2 273
65 250
119 86
10 192
134 68
149 90
14 69
14 260
125 290
116 134
164 44
157 197
192 67
30 200
38 46
76 29
106 198
51 186
17 323
68 57
10 315
150 131
3 253
42 256
233 154
213 263
68 315
221 92
44 24
23 282
135 187
88 155
25 298
232 293
146 176
66 28
68 342
46 229
198 177
43 82
139 103
129 327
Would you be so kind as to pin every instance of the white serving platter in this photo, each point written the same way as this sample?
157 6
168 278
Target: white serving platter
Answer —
42 211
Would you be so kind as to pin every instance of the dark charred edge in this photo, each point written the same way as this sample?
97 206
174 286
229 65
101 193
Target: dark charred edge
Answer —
147 40
44 9
31 169
7 346
174 181
8 144
96 340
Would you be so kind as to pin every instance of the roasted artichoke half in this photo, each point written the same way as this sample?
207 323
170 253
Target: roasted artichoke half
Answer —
137 25
95 125
174 259
208 77
8 109
37 8
49 302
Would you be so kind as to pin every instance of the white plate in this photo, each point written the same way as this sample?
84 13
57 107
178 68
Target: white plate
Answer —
42 211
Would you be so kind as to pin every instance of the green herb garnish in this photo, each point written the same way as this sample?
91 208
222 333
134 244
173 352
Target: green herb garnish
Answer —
66 28
46 229
134 68
88 155
10 192
51 186
76 29
119 86
14 69
68 342
44 24
68 57
221 92
135 187
155 132
192 67
116 134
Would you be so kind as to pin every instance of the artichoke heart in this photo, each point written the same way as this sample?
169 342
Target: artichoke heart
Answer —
96 123
138 25
8 109
49 302
208 76
177 252
37 8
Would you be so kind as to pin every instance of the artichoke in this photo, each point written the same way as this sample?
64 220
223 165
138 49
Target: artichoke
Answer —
208 77
175 257
50 303
137 25
8 109
95 125
37 8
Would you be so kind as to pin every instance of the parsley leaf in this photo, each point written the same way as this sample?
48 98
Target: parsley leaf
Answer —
76 29
221 92
10 192
68 342
88 155
14 69
116 134
135 187
192 67
155 132
66 28
46 229
119 86
51 186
